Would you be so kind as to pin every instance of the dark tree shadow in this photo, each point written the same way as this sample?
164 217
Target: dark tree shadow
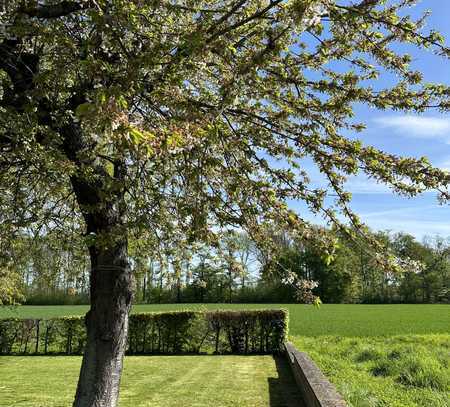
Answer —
283 390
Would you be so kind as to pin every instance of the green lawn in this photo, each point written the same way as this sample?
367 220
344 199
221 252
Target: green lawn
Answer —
376 355
159 381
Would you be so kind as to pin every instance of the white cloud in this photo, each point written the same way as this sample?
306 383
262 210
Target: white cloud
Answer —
417 228
444 164
417 126
420 220
362 184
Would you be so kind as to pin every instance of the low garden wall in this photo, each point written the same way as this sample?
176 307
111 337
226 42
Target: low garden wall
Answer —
191 332
315 388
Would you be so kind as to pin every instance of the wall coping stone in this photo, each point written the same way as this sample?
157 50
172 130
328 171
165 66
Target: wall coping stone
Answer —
316 389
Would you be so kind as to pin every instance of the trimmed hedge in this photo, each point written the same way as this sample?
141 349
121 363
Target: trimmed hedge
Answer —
192 332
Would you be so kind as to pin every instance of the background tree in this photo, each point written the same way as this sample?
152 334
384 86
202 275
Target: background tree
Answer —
439 268
57 273
123 117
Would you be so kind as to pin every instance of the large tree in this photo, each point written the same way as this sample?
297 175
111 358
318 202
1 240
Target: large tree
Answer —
175 118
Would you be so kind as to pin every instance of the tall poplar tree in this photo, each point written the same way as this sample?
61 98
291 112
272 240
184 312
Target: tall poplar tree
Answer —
175 118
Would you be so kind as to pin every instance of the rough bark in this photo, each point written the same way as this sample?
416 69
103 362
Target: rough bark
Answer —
107 328
101 197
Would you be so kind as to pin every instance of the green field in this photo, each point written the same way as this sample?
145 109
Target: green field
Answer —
376 355
157 381
304 320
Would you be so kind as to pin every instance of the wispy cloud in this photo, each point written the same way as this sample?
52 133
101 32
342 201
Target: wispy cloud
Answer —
417 126
362 184
444 164
416 227
405 212
419 218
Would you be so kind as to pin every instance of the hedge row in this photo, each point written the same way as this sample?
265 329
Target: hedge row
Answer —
238 332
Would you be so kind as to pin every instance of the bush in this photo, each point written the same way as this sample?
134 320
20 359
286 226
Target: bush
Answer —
238 332
64 335
55 297
248 331
166 332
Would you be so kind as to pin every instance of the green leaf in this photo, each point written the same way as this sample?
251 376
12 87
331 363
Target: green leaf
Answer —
110 168
84 109
135 135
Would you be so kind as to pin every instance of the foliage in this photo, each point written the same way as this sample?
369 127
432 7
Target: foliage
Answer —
10 287
165 121
179 113
354 275
64 335
210 274
54 297
47 268
167 333
236 332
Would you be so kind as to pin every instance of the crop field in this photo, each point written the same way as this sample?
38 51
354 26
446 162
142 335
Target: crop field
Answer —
330 319
376 355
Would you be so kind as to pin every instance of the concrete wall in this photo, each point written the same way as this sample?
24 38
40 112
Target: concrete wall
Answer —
316 390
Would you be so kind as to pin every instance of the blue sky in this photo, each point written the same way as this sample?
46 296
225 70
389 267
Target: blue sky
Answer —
411 135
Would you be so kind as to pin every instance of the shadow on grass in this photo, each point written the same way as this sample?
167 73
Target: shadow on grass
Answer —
283 389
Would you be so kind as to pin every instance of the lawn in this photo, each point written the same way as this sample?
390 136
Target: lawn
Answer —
376 355
178 381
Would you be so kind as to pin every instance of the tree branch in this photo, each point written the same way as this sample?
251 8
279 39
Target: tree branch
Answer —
56 10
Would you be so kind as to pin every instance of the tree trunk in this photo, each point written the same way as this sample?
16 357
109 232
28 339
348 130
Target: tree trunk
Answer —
101 197
230 288
111 284
107 328
160 288
202 288
178 290
144 287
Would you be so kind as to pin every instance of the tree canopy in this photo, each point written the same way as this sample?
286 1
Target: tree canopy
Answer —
172 119
196 103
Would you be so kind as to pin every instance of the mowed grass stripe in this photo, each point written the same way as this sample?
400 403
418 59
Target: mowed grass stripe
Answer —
331 319
154 381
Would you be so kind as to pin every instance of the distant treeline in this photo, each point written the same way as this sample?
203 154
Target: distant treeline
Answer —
235 271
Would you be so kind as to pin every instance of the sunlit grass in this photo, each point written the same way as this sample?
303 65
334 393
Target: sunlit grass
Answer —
157 381
376 355
398 371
